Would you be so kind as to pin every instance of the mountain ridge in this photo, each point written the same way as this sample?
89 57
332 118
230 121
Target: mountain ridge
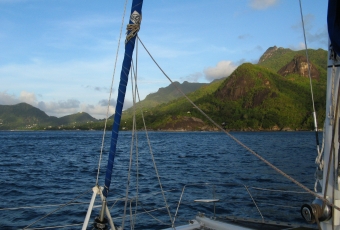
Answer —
253 97
271 95
23 116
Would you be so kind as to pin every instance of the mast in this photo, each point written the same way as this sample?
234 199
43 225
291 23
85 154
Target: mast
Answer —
328 172
331 173
133 28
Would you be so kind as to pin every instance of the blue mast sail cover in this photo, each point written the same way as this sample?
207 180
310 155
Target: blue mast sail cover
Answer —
136 9
333 21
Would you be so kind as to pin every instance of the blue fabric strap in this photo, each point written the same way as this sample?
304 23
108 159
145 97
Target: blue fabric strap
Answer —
135 18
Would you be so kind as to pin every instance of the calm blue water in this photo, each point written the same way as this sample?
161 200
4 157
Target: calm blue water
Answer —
54 167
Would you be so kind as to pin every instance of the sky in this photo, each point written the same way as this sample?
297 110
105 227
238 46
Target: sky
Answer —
60 55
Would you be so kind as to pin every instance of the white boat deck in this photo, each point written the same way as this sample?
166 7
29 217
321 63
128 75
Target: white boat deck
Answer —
233 223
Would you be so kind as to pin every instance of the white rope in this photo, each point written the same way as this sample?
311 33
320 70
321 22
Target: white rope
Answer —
71 225
318 160
42 206
276 190
254 202
130 161
277 205
133 28
309 74
134 93
108 104
152 156
149 213
332 109
53 227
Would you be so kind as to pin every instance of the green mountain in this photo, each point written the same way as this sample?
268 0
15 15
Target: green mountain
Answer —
76 118
166 94
23 116
170 93
275 58
272 95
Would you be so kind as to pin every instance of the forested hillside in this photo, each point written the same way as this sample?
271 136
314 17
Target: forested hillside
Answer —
271 95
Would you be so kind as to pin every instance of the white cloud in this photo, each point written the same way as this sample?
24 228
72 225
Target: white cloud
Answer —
192 77
7 99
222 69
300 46
62 107
262 4
98 111
27 97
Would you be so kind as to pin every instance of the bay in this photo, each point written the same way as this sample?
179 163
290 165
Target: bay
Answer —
54 167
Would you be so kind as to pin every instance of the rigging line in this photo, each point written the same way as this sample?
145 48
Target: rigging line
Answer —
254 203
239 142
42 206
156 170
113 204
331 111
147 212
131 217
58 208
108 104
310 82
54 227
143 196
71 225
153 158
134 93
137 174
153 210
319 159
278 205
130 162
275 190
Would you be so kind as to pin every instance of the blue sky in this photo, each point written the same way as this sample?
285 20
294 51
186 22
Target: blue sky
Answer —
59 55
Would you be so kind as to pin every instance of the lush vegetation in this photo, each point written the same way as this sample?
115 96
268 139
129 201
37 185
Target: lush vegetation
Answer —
26 117
266 101
253 97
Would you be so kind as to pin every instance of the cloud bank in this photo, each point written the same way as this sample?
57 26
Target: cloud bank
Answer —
62 107
222 69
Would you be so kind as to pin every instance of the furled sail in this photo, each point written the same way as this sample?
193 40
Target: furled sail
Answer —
133 27
333 20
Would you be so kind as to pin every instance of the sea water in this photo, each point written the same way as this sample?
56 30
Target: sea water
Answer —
42 171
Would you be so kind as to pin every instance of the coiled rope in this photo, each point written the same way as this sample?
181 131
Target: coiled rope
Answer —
133 30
